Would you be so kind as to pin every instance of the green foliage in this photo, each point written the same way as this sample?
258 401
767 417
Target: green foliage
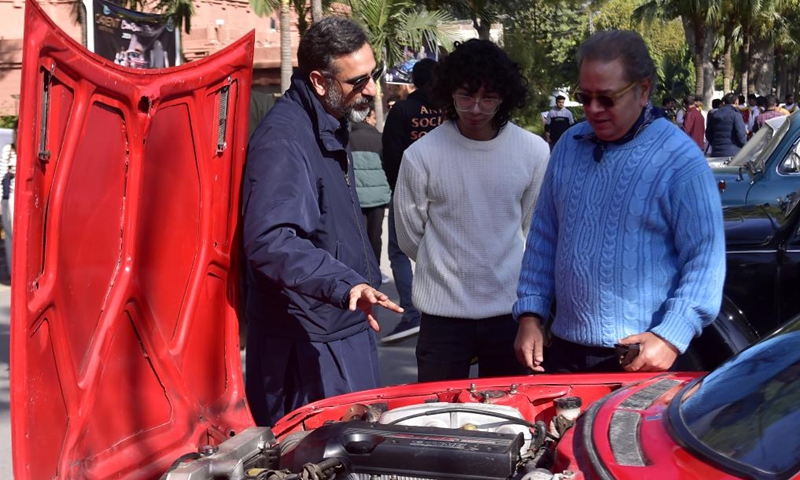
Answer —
392 25
543 38
9 121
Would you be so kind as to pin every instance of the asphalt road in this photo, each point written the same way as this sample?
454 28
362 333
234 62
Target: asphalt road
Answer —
398 362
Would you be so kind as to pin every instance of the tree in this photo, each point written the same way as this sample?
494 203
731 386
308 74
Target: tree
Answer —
393 25
264 8
698 18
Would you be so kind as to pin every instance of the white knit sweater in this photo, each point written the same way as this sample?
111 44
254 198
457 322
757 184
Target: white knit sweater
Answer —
462 211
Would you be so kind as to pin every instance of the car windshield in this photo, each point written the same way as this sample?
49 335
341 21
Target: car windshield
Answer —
760 146
746 414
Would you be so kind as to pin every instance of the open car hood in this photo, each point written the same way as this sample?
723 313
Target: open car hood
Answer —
124 337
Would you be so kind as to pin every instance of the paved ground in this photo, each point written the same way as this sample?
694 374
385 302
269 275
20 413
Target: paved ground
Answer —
398 363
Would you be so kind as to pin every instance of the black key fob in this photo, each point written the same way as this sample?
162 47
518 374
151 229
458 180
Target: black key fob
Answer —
626 353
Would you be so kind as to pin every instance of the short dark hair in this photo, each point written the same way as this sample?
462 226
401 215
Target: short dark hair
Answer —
771 100
422 73
480 63
325 41
729 99
625 45
560 97
698 98
716 102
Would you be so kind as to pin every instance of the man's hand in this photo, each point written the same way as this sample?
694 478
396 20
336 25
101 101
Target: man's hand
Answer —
655 353
529 344
363 297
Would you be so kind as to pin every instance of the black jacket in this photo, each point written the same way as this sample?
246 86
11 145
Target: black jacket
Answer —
408 120
725 131
304 238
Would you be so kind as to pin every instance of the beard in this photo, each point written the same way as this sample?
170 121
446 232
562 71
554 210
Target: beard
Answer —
334 101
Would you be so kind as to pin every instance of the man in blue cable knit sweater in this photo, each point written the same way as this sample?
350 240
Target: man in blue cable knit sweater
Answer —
627 235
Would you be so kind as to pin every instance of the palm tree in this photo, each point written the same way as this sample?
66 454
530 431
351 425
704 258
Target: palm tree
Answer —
698 18
392 25
264 8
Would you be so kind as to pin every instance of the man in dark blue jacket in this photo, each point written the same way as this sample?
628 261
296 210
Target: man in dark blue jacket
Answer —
312 278
726 132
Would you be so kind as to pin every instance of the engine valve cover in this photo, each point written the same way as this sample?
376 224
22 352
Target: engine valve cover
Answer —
411 451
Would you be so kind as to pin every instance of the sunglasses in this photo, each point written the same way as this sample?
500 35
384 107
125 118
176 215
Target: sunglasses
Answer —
361 82
606 100
465 103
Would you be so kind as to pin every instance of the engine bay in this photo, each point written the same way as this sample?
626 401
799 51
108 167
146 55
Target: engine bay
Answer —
506 432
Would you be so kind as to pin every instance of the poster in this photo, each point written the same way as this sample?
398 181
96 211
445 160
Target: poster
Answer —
133 39
401 73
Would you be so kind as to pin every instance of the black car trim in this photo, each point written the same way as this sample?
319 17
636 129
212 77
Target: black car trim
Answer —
591 449
683 437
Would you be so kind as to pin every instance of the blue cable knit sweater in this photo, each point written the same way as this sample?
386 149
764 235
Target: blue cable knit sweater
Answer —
630 244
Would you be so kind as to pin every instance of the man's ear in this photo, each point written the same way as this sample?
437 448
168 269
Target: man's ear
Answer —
318 82
646 85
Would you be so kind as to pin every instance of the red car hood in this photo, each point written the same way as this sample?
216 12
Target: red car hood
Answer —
124 338
622 433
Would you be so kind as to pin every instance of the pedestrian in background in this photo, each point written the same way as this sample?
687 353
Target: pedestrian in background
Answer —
463 204
312 280
408 121
627 237
371 184
770 111
8 170
558 120
694 124
726 132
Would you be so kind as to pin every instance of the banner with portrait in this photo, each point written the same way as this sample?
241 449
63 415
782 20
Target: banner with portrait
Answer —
400 74
134 39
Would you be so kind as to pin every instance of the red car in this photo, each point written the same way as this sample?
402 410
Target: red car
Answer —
125 351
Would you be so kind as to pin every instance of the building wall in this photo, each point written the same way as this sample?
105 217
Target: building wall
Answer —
216 24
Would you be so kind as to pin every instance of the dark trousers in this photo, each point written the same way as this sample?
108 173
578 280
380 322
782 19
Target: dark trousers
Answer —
373 219
562 356
446 347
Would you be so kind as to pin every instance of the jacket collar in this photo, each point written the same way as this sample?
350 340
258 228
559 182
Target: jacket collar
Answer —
331 131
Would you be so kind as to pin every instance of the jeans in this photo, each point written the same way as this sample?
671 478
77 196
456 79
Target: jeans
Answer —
401 271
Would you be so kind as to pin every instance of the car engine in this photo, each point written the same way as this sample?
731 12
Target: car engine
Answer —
428 441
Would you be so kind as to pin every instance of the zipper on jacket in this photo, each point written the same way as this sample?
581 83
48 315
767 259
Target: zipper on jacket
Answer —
358 220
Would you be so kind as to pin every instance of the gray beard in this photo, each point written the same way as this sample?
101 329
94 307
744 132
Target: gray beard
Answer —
334 101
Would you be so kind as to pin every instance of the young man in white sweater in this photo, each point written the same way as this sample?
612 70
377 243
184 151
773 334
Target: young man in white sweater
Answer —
463 203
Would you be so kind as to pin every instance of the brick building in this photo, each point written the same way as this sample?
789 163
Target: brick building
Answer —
216 23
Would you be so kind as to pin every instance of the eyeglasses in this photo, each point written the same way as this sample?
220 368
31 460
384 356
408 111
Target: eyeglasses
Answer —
465 103
360 83
605 100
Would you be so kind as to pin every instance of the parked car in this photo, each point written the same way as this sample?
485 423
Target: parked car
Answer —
754 146
739 421
125 351
763 173
763 262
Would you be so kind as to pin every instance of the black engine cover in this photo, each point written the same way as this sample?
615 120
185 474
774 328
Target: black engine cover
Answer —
426 452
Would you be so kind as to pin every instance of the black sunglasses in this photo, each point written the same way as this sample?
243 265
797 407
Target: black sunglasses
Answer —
360 83
605 100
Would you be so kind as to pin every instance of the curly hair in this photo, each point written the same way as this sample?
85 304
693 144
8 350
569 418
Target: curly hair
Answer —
480 63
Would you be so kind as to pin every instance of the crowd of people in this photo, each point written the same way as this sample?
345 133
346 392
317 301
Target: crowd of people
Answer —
724 129
616 220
